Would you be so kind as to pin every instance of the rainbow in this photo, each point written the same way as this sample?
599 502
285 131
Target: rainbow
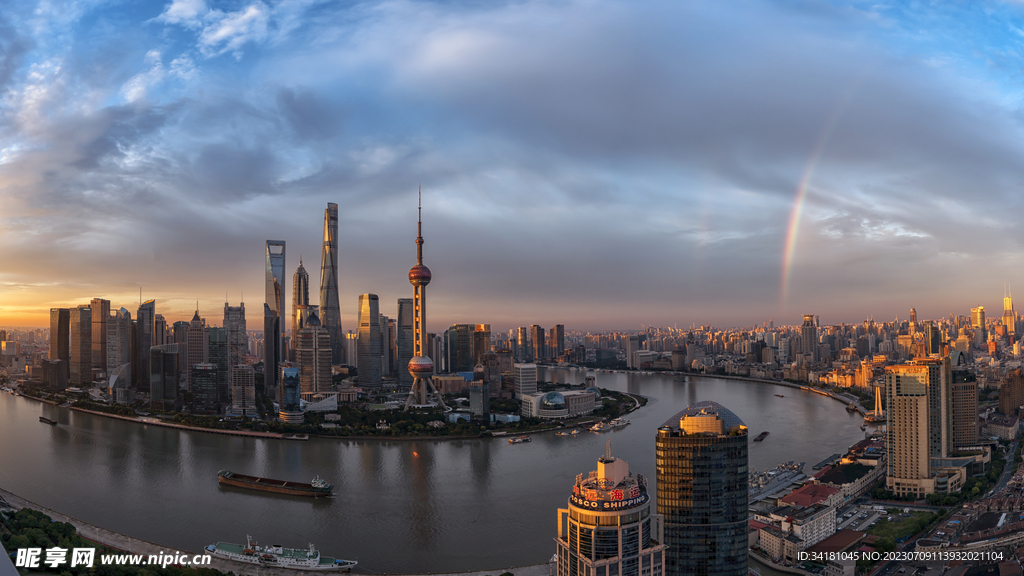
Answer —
795 214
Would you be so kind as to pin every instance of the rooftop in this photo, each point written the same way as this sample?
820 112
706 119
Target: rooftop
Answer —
844 474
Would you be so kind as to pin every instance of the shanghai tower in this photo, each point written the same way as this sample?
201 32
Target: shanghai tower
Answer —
330 311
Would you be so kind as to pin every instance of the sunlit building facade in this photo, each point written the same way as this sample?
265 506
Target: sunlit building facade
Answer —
701 460
80 367
607 528
369 352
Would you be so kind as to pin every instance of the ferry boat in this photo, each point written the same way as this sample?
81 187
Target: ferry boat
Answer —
618 423
278 557
317 488
46 420
572 432
519 440
599 427
851 407
761 436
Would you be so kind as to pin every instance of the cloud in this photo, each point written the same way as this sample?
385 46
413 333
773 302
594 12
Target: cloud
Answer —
637 159
233 30
184 12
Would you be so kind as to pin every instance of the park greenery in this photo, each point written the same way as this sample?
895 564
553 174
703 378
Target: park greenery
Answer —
27 528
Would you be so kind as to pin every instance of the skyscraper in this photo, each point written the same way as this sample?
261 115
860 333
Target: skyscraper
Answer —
217 354
145 319
458 348
273 312
271 366
481 343
291 410
1009 316
556 338
404 341
60 338
196 347
163 377
300 301
313 356
607 527
809 337
369 355
243 390
523 351
119 333
80 367
159 330
701 456
238 341
421 367
919 425
385 345
539 347
100 315
330 309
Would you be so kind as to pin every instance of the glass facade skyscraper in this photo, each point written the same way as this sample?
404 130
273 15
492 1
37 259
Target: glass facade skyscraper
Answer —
330 307
701 459
273 311
608 528
369 354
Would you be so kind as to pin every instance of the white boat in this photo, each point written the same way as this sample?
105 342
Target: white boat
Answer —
277 556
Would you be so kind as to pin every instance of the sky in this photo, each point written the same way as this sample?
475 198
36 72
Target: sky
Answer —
600 164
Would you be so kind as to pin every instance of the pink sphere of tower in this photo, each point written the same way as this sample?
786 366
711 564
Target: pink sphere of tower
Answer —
420 366
419 275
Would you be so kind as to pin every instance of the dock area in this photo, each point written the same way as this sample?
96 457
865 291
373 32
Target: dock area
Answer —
826 462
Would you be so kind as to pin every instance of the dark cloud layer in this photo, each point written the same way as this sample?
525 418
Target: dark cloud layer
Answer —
599 164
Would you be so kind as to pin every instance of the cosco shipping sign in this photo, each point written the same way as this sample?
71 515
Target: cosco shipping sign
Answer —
608 505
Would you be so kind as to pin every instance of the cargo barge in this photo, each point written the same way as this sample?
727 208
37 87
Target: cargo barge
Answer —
46 420
761 436
318 488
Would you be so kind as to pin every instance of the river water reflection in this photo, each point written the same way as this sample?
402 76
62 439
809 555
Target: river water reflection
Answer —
399 506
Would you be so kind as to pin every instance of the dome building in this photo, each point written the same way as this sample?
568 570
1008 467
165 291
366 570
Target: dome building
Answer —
563 404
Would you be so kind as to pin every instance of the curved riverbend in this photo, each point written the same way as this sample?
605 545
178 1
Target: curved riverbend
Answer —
409 506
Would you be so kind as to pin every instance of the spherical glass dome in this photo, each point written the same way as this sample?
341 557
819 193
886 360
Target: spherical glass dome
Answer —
595 390
552 401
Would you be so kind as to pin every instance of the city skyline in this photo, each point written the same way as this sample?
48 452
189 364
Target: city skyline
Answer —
600 165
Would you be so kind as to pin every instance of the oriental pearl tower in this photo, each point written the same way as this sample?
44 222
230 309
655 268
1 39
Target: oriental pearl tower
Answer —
421 367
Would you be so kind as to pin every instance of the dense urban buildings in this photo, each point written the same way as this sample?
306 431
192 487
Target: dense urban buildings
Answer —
607 528
701 460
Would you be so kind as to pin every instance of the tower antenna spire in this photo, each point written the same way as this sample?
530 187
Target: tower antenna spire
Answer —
419 225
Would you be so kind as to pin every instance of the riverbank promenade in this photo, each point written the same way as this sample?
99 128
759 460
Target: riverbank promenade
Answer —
135 546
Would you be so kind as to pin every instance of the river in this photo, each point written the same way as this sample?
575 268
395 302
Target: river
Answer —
399 506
